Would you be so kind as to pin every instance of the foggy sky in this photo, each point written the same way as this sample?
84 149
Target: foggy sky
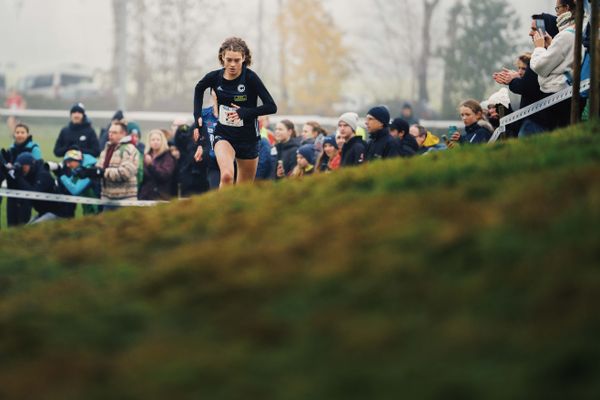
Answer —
43 33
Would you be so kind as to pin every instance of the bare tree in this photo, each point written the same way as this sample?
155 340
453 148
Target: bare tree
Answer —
429 7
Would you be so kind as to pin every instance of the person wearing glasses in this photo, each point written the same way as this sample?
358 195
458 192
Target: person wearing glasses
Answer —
552 60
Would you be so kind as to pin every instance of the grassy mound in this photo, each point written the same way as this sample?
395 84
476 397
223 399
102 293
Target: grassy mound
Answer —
466 274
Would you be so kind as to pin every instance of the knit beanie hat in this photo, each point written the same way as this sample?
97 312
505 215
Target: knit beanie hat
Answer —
351 119
307 151
78 108
381 114
133 128
25 159
330 140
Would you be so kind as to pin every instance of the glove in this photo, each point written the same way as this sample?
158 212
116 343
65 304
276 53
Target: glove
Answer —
6 156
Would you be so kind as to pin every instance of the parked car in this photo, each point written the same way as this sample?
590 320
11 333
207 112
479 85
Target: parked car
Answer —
69 83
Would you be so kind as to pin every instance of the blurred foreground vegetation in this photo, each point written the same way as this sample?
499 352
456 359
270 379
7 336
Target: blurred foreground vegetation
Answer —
461 275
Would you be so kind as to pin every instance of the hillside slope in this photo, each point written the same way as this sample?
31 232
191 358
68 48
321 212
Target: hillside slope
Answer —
460 275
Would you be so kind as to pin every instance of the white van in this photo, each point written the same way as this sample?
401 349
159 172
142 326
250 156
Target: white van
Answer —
70 83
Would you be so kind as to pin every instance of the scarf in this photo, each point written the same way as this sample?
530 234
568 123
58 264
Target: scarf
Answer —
565 20
109 153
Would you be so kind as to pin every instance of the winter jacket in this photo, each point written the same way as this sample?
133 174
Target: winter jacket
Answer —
476 133
82 135
432 143
554 63
29 146
529 88
381 146
265 164
120 178
71 184
158 178
353 152
285 152
407 145
192 174
39 180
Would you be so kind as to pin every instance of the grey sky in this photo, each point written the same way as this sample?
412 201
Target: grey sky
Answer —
41 32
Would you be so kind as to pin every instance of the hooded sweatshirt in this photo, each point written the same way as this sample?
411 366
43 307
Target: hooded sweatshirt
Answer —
554 64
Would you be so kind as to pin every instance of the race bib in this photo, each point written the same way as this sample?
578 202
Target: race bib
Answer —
223 110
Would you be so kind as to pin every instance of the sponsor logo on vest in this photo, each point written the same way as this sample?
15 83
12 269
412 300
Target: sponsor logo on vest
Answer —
240 98
241 88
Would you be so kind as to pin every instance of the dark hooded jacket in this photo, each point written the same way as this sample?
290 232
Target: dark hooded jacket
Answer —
81 135
381 146
286 152
353 152
39 180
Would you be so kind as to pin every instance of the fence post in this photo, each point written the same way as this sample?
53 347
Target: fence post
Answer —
575 100
595 63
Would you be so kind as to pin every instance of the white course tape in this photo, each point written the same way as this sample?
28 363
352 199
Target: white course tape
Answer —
61 198
535 108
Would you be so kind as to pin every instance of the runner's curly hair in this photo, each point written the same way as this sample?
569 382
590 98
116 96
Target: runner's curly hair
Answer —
235 44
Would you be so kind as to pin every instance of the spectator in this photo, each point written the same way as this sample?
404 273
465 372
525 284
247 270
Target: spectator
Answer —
72 181
265 164
14 102
118 166
159 168
117 117
79 133
525 83
382 145
406 143
471 114
313 133
265 132
135 131
305 161
498 106
340 141
553 58
18 211
193 175
285 150
353 151
30 175
427 141
210 118
330 159
408 114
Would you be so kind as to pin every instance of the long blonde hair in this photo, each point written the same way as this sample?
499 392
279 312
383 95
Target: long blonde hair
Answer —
164 146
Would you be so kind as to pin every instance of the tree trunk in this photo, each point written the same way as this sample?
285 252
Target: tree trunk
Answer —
423 67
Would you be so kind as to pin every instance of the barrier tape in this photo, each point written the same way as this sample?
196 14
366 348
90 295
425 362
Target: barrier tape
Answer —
61 198
535 108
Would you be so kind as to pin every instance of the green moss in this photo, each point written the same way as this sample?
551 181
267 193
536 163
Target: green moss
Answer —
465 274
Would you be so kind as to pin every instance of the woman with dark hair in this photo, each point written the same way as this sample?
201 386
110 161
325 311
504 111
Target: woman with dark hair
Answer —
285 150
238 89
